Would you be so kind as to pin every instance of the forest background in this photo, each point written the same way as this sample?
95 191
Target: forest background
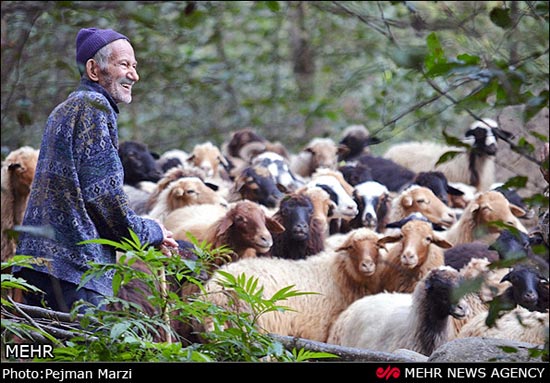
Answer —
294 70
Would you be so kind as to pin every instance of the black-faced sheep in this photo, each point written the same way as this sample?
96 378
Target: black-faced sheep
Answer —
474 224
388 172
355 141
244 228
355 174
474 167
529 288
138 163
303 236
255 183
17 175
417 251
339 278
389 321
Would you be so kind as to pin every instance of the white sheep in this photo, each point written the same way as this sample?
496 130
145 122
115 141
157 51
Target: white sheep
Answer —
338 278
519 324
475 168
390 321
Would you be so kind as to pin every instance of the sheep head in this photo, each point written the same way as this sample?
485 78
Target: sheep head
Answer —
363 249
415 239
492 206
423 200
249 227
21 165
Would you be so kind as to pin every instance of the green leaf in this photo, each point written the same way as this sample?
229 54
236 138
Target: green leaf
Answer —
508 349
501 17
454 141
435 55
535 105
447 156
517 182
273 5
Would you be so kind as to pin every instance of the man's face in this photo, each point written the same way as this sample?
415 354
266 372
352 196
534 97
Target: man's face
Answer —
121 73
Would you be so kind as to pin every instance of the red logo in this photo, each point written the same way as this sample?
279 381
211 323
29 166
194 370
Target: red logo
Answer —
389 372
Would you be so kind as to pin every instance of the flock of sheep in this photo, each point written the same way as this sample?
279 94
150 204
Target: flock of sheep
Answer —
385 242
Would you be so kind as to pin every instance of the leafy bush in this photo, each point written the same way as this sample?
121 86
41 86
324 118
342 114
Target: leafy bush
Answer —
123 330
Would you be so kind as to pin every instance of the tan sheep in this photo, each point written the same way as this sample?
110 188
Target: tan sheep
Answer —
17 175
185 191
338 277
474 224
423 200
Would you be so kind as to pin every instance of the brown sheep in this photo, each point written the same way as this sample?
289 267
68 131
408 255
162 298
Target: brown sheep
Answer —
339 277
474 224
17 175
419 250
423 200
244 228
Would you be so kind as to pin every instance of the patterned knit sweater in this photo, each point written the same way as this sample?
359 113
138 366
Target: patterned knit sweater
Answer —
78 190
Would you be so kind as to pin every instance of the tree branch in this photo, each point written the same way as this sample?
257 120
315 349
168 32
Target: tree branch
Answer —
345 354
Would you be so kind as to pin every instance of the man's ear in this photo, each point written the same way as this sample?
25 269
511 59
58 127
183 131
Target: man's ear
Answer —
92 70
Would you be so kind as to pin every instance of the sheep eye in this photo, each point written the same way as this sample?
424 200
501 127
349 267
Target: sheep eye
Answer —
428 239
420 201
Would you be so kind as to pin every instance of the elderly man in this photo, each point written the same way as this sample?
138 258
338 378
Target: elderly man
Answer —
78 185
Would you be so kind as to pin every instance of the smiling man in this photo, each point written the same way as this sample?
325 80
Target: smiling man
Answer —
78 186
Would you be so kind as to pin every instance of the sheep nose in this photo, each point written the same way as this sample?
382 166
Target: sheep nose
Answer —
409 259
530 296
370 220
301 228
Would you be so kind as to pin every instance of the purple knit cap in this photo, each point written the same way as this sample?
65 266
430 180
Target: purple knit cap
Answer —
90 40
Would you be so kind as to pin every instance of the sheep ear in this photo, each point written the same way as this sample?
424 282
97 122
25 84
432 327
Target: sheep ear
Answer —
342 150
407 201
475 207
343 247
273 226
517 211
212 186
506 278
443 243
224 226
389 239
454 191
191 158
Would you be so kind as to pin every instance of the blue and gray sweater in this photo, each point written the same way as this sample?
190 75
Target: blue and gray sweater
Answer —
78 190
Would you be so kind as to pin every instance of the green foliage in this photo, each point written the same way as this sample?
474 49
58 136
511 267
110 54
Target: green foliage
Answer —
125 330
